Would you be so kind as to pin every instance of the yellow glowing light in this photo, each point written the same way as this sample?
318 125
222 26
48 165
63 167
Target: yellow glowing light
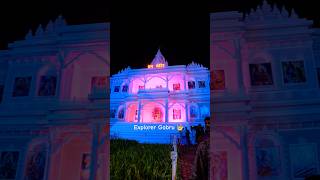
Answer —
159 65
180 127
150 66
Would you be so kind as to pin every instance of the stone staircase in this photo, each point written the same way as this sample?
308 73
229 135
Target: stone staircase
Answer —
185 160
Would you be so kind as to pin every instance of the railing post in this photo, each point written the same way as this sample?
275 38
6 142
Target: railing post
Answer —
174 158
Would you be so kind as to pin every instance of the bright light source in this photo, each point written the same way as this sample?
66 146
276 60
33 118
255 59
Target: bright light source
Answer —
150 66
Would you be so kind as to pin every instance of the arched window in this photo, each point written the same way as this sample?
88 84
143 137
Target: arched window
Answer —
121 113
191 84
99 84
112 113
125 88
47 80
155 83
267 158
176 113
152 112
35 161
204 111
132 113
193 112
157 114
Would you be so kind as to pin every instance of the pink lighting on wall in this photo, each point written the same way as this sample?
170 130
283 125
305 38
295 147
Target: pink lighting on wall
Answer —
159 81
156 82
152 112
174 81
177 113
132 113
136 83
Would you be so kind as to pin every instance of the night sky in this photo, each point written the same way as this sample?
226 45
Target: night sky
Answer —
138 28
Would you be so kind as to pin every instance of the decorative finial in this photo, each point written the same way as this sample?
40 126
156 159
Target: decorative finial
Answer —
29 35
293 14
265 5
284 12
39 31
50 27
159 54
60 21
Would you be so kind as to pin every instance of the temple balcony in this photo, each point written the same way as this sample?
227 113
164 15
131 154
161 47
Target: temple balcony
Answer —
153 90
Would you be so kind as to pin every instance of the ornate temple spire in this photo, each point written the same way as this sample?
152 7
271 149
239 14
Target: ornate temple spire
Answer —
159 59
271 13
50 27
60 21
39 31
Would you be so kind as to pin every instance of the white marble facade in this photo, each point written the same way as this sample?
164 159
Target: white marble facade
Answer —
148 104
54 101
265 96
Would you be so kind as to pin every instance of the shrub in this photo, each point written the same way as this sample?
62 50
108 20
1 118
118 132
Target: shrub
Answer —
131 160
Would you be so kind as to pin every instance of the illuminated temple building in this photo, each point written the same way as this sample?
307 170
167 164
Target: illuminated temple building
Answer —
150 104
264 86
53 101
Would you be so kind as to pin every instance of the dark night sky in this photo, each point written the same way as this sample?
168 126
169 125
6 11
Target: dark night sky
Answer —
138 28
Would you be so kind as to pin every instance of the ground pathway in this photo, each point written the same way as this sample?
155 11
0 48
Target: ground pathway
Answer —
185 160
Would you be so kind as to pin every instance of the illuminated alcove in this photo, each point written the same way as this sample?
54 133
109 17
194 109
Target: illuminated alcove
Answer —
137 84
152 112
132 113
193 112
204 111
156 82
120 114
177 112
176 83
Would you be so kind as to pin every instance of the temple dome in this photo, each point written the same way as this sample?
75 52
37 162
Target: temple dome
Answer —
159 59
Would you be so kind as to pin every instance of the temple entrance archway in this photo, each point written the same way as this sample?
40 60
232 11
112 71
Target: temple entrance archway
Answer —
152 112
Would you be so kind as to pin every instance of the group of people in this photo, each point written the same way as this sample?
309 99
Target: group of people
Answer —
200 169
201 137
193 137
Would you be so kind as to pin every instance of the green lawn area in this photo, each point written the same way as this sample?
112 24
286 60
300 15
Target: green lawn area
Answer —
132 160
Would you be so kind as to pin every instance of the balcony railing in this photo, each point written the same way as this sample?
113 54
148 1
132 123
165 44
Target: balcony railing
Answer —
152 90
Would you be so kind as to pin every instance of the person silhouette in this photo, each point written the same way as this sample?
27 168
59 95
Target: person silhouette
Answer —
200 169
199 133
188 136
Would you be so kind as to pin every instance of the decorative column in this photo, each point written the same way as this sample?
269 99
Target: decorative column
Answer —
139 111
48 158
59 73
238 57
54 153
187 111
129 85
103 152
167 81
244 151
124 111
21 163
167 111
184 82
94 151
